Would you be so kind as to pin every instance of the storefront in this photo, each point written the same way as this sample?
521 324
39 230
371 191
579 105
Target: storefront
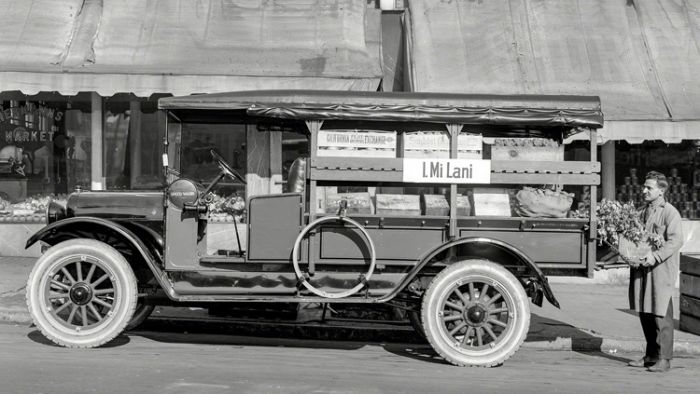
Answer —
80 80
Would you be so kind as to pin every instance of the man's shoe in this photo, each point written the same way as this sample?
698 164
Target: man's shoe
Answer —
662 366
644 362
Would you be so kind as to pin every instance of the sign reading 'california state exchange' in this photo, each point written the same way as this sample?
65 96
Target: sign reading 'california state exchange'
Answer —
446 171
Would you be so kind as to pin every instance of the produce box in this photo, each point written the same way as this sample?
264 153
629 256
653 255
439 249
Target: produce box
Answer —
527 149
357 203
464 206
492 202
435 205
398 204
436 145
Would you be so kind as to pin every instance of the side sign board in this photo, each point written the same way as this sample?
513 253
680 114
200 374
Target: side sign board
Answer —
446 171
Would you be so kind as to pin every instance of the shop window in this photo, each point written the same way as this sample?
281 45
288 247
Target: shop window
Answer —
132 145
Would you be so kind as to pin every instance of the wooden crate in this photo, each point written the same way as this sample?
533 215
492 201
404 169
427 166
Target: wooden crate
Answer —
357 203
436 145
398 204
356 143
435 205
527 153
690 293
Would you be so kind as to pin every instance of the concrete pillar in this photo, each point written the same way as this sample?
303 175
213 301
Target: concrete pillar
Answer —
135 141
607 162
96 135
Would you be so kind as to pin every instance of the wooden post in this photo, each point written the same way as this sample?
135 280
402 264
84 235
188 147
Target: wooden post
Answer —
454 130
314 126
96 143
135 141
607 162
275 162
594 200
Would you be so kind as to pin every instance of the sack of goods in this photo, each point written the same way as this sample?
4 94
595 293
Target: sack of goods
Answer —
542 203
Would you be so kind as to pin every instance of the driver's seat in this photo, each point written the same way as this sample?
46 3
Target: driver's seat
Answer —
296 180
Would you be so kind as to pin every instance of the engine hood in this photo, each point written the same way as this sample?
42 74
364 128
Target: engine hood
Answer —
116 204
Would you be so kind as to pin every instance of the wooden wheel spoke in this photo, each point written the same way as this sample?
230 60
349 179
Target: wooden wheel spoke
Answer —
457 328
61 285
62 307
104 291
79 270
71 316
454 306
479 336
490 332
453 317
460 296
99 280
83 315
484 290
90 272
94 312
472 293
467 335
494 299
58 296
498 323
68 275
101 302
497 310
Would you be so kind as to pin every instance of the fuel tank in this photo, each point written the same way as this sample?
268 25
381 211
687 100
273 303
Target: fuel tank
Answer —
119 205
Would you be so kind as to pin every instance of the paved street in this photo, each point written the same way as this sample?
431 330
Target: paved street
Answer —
166 362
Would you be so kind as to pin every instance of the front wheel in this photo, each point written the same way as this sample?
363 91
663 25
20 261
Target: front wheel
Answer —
81 293
475 313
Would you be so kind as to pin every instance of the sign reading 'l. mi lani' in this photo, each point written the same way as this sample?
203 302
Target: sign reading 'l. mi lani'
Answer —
446 171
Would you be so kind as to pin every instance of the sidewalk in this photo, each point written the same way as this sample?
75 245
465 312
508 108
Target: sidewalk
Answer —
593 317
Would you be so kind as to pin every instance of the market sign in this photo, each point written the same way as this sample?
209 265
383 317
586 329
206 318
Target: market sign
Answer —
21 135
446 171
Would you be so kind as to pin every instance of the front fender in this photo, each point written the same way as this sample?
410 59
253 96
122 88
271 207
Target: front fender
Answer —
547 290
76 227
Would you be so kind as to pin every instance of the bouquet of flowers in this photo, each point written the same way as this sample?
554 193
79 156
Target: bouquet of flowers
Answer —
620 226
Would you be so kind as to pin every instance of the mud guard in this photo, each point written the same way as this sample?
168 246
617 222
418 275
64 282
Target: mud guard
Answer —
48 233
542 279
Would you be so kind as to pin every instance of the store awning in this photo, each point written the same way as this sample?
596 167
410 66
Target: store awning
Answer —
183 47
641 57
636 132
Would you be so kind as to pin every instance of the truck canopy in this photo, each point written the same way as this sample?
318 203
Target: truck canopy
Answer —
499 110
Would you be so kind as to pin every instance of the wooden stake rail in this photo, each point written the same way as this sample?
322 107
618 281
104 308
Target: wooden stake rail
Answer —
502 172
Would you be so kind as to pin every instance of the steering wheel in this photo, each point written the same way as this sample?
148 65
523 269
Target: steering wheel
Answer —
226 168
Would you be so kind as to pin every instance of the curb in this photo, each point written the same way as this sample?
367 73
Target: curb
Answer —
359 332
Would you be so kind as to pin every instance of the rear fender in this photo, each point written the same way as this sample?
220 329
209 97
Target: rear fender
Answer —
501 246
100 230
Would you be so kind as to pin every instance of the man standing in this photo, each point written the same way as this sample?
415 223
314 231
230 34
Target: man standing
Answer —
652 282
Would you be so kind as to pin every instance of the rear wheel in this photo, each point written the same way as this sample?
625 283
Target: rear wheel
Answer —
81 293
475 313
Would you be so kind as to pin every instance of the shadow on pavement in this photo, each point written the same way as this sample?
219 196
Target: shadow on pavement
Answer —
550 330
38 337
676 322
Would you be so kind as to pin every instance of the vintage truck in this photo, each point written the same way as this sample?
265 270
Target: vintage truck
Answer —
466 280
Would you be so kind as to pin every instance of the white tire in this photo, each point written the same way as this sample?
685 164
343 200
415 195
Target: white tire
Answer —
81 293
475 313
